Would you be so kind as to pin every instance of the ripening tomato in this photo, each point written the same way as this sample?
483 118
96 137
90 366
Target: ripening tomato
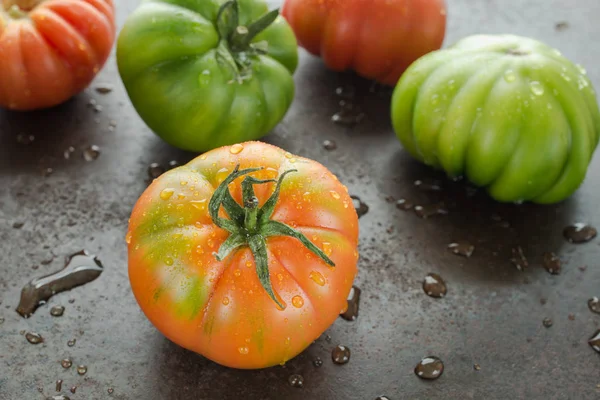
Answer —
245 255
51 50
378 39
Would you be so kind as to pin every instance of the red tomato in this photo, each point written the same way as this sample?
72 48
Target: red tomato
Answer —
51 50
378 39
248 278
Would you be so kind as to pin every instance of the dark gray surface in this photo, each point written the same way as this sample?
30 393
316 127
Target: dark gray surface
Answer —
492 314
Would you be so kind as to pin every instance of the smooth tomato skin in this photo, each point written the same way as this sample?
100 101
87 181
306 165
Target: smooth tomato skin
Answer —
220 309
55 53
508 113
378 39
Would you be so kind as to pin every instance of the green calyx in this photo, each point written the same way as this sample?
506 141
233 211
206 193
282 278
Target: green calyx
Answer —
235 46
250 225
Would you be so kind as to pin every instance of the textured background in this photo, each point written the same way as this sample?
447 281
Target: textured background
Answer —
492 314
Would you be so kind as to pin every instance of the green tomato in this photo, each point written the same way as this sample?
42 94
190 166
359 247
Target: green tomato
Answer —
204 74
508 113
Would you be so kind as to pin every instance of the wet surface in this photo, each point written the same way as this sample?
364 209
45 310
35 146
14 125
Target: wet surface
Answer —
491 316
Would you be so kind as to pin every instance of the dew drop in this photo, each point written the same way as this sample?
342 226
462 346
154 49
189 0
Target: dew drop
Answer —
57 311
243 350
317 278
594 341
340 355
329 145
297 301
334 194
155 170
509 75
168 261
296 380
59 385
66 363
431 210
594 305
225 301
536 88
166 194
429 368
579 233
81 369
71 342
222 174
34 338
236 148
280 277
551 263
518 259
353 302
91 153
361 207
547 322
404 205
110 390
464 249
104 88
434 285
581 69
327 248
199 204
173 164
288 155
428 186
476 367
317 362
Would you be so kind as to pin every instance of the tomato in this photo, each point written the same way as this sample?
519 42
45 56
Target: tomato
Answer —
51 50
378 39
204 74
509 113
245 255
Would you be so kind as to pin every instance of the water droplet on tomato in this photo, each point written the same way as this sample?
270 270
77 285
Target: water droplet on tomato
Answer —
317 277
340 355
594 305
81 369
565 76
536 88
518 258
169 261
296 380
237 272
462 249
57 311
243 350
288 155
199 204
222 174
128 237
225 301
434 285
352 304
91 153
236 148
297 301
594 341
280 277
429 368
34 338
327 248
509 75
579 233
334 194
551 263
66 363
166 194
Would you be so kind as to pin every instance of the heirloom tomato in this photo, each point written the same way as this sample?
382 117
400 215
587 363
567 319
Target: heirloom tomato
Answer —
51 50
204 74
509 113
378 39
245 255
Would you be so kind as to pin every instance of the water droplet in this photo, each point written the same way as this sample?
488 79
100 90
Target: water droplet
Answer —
81 369
334 194
237 272
571 317
317 362
236 148
296 380
80 268
71 342
329 145
582 83
57 311
243 350
464 249
166 194
433 186
476 367
73 390
430 367
340 354
327 248
552 263
59 397
104 88
173 164
594 305
353 301
23 138
155 170
581 69
434 285
536 88
280 277
346 92
110 390
225 301
579 233
91 153
59 385
66 363
46 172
317 278
547 322
347 117
431 210
169 261
594 341
518 258
565 76
18 225
67 153
297 301
34 338
561 26
509 75
360 207
404 205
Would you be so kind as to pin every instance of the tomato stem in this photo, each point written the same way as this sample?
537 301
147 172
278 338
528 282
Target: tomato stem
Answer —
250 225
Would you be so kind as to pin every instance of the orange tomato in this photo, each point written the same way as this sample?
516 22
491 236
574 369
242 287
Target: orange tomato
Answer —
51 50
245 266
378 39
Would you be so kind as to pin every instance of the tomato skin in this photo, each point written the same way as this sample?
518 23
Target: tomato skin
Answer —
378 39
220 309
508 113
53 51
168 59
